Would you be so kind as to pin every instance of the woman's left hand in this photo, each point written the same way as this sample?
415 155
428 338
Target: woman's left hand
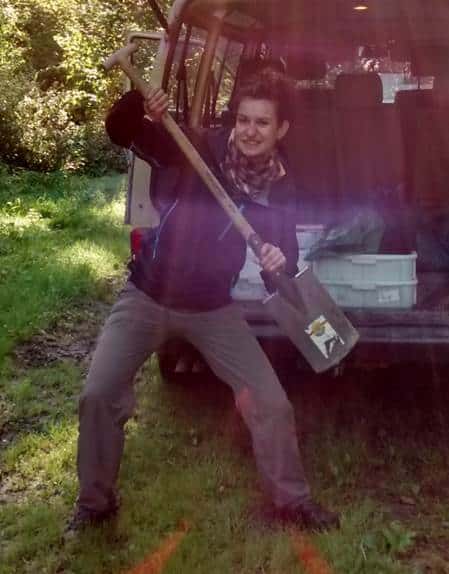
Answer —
271 258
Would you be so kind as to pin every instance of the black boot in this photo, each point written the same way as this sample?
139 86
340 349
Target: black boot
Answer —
309 515
83 518
315 517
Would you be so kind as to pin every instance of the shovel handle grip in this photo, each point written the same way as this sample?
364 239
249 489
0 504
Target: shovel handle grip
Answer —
283 283
255 242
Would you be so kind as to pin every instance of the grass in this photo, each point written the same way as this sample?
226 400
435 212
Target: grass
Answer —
181 466
376 448
61 240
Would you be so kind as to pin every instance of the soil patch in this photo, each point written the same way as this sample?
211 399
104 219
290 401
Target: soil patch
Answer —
72 336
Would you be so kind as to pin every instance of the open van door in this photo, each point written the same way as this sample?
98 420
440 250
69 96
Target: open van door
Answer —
140 211
181 86
369 129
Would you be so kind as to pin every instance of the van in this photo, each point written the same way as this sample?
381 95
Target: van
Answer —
369 149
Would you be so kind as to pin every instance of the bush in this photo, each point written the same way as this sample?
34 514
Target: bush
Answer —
52 138
52 112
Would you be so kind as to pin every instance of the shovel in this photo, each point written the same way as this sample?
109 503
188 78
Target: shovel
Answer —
301 306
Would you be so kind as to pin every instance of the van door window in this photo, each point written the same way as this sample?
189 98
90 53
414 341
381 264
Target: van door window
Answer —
140 211
184 70
222 80
144 58
395 75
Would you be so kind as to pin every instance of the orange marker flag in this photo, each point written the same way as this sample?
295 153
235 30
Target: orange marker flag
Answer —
156 561
308 554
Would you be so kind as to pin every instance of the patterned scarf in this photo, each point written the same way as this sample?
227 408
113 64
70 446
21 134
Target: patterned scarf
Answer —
251 176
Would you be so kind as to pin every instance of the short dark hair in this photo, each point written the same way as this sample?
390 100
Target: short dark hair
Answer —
266 84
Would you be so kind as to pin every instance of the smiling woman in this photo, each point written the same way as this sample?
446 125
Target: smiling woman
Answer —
252 162
258 128
171 291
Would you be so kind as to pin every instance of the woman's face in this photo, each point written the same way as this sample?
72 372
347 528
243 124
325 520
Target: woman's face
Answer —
257 128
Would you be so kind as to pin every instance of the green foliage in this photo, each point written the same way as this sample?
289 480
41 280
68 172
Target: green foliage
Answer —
391 539
52 112
61 239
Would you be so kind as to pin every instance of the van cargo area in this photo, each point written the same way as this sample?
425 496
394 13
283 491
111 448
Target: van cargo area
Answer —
369 135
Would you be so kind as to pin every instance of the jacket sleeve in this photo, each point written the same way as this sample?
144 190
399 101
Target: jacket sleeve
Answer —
127 127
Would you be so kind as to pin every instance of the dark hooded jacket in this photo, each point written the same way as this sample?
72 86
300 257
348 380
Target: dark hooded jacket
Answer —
195 255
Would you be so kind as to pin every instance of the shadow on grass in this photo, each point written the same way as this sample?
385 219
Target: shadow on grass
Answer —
404 404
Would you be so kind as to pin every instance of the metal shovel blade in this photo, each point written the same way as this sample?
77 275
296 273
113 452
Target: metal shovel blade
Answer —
314 323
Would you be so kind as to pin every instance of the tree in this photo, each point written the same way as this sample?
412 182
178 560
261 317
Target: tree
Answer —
51 114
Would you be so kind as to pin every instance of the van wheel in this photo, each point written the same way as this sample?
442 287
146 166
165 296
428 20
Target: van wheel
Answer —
179 367
169 368
179 363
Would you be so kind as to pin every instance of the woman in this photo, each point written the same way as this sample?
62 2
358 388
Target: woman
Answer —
180 286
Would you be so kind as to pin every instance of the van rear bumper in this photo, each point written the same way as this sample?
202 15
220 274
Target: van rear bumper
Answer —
386 337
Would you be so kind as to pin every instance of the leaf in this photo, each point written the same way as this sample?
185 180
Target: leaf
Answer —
416 489
397 537
407 500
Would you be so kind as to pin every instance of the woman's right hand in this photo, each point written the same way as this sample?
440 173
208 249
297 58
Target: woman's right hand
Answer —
156 104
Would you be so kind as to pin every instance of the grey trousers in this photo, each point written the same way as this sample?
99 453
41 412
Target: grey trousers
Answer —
136 328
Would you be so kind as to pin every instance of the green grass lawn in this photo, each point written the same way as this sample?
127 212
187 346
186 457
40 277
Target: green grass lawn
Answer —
61 240
376 448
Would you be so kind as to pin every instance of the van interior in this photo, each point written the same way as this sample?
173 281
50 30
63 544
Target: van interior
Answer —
370 122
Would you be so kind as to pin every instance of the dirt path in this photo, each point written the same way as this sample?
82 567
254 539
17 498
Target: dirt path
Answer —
73 337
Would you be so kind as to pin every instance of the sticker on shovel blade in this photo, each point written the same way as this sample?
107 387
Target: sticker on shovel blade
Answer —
323 335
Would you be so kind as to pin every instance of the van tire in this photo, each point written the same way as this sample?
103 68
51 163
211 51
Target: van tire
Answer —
167 365
179 362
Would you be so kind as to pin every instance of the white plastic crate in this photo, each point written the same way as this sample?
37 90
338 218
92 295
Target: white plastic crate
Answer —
249 290
373 295
367 267
307 235
376 281
250 286
251 269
